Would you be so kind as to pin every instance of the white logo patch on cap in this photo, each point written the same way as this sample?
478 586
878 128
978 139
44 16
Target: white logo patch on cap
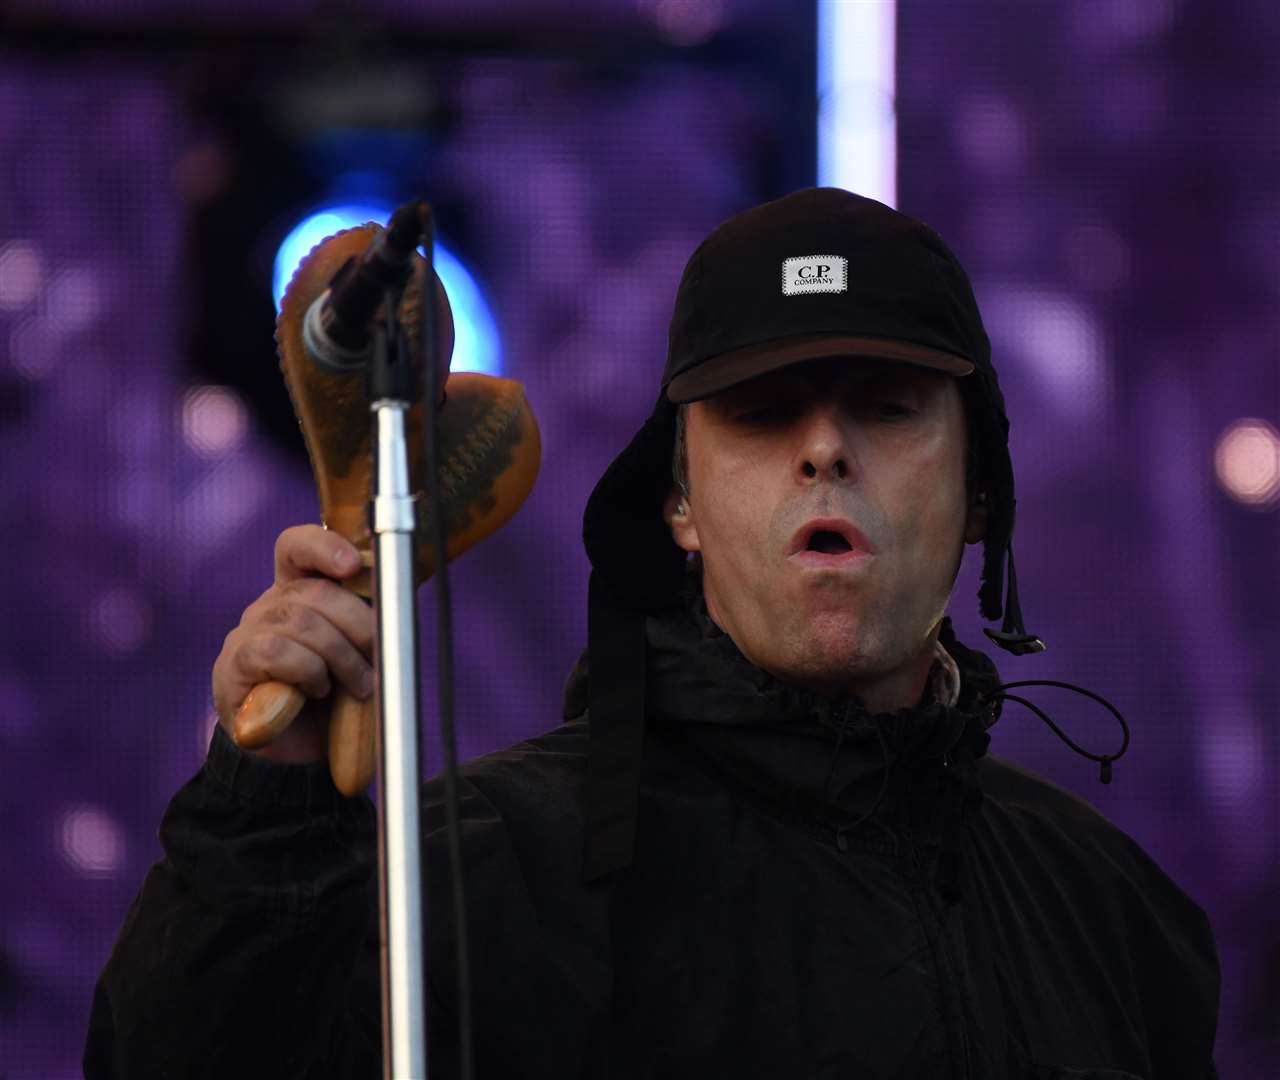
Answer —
814 274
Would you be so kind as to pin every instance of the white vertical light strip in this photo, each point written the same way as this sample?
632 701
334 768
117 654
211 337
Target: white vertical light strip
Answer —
857 124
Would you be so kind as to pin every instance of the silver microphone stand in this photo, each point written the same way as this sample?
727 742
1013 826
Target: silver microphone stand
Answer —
404 1036
393 511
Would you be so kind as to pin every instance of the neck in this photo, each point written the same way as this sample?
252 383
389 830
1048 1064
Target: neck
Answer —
902 688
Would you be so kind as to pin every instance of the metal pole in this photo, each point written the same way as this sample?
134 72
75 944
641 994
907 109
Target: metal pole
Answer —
404 1027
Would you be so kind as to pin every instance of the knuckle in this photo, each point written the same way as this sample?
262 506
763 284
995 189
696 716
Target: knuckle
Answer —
295 618
304 620
270 647
277 614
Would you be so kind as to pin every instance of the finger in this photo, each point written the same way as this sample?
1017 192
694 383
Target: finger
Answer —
302 550
268 656
312 628
352 615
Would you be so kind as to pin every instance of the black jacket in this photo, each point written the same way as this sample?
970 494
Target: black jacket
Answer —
981 922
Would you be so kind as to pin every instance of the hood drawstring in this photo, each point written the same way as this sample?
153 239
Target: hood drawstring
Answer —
835 754
947 875
1105 759
842 831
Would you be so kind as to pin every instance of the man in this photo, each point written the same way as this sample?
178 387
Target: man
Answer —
767 840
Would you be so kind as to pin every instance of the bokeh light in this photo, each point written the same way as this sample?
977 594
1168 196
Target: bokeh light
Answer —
476 343
1247 461
1059 341
21 274
686 22
214 420
91 841
120 619
991 134
216 510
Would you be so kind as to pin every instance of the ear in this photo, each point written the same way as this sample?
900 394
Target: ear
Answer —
677 512
975 525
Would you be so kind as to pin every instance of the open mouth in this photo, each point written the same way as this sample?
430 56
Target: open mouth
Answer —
828 542
832 536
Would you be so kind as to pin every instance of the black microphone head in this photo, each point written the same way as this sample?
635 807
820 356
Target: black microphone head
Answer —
338 328
405 231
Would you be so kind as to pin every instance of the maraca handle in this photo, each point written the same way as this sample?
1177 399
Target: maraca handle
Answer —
353 742
272 706
265 713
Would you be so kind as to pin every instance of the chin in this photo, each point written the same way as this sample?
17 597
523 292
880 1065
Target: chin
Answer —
836 651
842 645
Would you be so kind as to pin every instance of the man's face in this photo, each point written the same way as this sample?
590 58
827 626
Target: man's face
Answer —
789 475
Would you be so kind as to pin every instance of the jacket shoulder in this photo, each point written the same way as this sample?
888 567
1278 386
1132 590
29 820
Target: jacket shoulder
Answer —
1154 943
1011 784
1014 792
1083 847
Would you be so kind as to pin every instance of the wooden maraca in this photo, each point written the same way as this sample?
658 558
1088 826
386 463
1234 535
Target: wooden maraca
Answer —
490 451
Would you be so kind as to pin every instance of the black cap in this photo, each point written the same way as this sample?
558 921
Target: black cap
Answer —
819 273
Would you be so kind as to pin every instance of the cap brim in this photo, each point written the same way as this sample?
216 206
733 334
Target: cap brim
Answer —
738 365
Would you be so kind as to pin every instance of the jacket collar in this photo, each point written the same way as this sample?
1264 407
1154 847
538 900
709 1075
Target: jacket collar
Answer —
675 670
825 758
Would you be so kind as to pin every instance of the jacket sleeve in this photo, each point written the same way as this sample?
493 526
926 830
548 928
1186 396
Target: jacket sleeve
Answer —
252 947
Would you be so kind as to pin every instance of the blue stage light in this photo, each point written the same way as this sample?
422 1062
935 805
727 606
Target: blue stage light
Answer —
476 343
857 123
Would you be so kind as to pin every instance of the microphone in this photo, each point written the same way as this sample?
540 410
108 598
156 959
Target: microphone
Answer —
337 329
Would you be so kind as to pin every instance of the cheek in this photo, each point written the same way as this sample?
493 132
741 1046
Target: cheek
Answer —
927 490
942 502
734 514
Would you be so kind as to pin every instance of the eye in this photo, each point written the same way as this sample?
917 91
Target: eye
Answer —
891 410
762 415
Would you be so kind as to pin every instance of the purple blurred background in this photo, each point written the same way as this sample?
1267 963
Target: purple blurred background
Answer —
1108 170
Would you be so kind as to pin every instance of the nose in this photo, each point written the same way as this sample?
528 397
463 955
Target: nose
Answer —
825 452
